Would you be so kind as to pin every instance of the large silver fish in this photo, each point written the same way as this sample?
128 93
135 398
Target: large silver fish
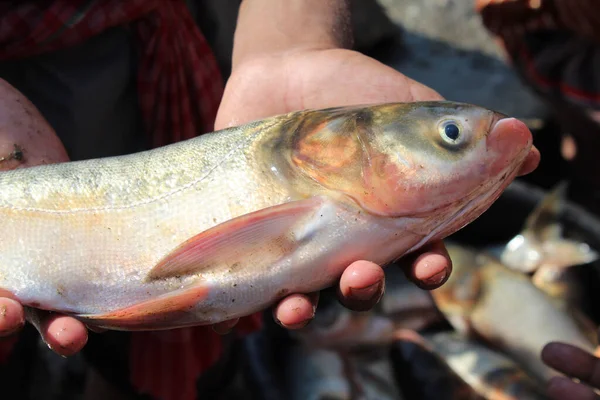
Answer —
223 225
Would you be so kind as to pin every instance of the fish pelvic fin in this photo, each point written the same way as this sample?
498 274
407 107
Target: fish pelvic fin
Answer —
158 313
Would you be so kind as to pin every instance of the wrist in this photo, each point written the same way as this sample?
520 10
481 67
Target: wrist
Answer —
272 27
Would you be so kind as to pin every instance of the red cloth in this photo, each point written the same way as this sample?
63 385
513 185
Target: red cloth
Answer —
6 346
560 66
179 88
179 83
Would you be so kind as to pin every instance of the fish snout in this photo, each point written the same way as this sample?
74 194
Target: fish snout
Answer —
509 140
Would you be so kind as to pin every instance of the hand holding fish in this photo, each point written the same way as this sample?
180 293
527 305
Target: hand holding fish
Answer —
25 144
576 363
305 75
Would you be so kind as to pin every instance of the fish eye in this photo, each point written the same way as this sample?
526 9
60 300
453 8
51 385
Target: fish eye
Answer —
451 132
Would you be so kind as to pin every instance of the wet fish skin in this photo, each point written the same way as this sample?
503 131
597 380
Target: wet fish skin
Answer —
223 225
424 374
314 373
492 374
485 298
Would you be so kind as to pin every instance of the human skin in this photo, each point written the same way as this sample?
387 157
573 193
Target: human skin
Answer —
290 55
576 363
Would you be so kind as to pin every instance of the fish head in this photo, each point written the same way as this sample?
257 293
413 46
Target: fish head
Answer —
433 160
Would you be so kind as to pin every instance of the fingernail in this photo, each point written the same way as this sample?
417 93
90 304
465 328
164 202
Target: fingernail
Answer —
297 326
436 280
368 293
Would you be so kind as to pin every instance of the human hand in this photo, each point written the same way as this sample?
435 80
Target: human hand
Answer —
26 140
575 363
319 78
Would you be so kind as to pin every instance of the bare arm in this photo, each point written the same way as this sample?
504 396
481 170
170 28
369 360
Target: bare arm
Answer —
273 26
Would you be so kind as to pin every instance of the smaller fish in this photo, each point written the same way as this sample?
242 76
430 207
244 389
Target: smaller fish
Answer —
403 306
490 373
485 298
409 306
425 375
336 327
318 374
542 249
541 243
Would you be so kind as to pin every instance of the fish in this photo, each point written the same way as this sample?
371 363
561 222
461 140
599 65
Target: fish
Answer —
490 373
335 327
406 304
227 223
542 250
316 373
487 300
424 374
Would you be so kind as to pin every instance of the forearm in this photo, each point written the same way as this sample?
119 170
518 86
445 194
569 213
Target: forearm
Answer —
272 26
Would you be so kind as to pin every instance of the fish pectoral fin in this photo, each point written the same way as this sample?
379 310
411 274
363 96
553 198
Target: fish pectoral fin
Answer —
258 236
151 314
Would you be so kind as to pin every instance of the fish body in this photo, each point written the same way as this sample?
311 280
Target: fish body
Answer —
486 299
424 374
225 224
318 373
492 374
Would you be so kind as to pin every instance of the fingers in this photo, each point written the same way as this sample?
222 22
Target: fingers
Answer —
64 335
361 286
572 361
12 317
296 310
531 162
429 268
560 388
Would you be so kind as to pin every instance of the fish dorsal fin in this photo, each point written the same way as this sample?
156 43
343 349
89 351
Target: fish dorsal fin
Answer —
261 236
542 223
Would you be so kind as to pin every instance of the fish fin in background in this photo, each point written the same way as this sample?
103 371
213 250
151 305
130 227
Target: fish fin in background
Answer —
543 223
541 242
524 252
258 236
